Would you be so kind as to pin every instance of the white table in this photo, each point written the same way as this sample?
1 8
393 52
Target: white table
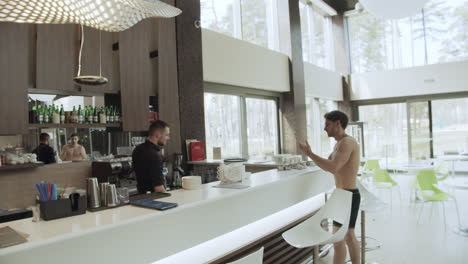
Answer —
459 184
453 159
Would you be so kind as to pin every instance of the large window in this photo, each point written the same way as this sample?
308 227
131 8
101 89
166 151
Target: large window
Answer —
262 127
223 124
242 126
317 137
450 125
385 130
437 34
218 16
255 21
317 46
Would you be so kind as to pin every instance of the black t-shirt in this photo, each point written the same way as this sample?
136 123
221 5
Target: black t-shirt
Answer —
45 153
147 162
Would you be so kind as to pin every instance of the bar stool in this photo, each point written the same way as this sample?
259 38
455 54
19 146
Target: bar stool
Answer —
253 258
310 232
369 203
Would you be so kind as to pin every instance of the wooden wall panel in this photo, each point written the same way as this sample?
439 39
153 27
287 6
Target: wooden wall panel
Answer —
17 187
135 76
168 94
15 76
57 57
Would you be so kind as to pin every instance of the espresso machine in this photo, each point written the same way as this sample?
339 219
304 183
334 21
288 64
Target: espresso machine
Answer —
116 171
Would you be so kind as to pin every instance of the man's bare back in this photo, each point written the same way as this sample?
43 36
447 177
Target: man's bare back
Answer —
345 177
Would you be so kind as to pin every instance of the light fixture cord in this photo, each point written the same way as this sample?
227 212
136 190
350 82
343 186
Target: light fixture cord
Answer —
100 55
81 49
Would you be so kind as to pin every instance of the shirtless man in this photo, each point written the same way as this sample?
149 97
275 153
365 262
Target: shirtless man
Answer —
343 163
73 151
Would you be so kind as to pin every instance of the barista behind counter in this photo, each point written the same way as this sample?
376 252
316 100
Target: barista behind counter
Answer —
44 152
148 160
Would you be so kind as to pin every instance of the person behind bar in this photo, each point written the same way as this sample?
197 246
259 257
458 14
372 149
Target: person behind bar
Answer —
73 151
148 160
44 152
343 163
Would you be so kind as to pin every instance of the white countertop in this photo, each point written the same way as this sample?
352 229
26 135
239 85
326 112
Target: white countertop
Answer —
213 211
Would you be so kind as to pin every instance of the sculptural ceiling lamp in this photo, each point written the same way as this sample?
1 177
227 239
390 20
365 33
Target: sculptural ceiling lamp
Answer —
107 15
393 9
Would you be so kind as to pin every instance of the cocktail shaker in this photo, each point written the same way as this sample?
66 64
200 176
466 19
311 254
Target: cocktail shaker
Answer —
93 193
103 193
112 198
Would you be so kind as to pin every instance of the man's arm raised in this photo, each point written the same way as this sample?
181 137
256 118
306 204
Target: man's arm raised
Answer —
338 160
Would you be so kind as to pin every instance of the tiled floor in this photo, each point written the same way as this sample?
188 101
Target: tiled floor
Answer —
404 240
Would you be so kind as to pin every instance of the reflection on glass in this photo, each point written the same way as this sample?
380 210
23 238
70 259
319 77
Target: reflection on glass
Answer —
223 124
385 130
450 125
262 127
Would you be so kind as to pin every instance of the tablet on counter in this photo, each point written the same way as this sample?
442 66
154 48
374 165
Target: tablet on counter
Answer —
158 205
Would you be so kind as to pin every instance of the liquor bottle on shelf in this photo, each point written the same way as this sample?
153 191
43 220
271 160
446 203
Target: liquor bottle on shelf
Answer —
40 114
74 115
116 116
55 115
62 115
102 116
80 115
46 115
95 115
111 114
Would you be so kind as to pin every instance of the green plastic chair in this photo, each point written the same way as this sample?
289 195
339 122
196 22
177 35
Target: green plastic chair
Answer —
370 166
368 169
383 180
426 181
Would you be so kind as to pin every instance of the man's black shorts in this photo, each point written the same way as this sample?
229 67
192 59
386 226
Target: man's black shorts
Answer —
354 208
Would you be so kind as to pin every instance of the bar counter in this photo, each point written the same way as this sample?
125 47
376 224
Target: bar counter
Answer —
204 217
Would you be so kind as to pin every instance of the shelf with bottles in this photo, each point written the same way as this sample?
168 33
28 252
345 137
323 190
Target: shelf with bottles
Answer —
88 116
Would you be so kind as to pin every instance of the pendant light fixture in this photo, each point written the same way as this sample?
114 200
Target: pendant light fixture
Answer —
107 15
89 79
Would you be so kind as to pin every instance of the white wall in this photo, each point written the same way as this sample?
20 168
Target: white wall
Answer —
322 83
423 80
236 62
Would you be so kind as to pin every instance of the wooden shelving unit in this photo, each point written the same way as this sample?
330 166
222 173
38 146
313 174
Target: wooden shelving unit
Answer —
32 126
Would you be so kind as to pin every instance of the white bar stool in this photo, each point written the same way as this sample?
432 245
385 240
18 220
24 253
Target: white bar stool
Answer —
369 203
310 233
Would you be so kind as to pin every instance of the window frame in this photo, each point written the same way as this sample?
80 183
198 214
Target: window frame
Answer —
245 93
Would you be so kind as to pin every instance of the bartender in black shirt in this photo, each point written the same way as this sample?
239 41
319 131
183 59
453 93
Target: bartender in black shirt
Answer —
44 152
147 159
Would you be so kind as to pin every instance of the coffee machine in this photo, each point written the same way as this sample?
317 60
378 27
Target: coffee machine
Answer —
116 171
